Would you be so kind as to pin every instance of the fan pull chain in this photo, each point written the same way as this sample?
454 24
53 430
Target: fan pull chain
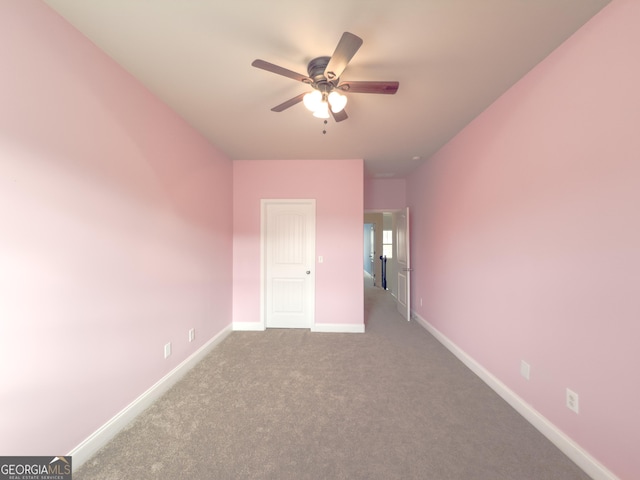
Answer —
324 131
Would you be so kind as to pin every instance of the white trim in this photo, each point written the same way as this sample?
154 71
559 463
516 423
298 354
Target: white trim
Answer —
571 449
318 327
248 326
338 328
263 242
98 439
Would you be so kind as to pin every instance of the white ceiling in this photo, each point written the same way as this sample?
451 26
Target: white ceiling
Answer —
452 58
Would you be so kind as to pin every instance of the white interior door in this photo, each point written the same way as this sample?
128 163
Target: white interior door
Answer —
404 264
288 232
369 248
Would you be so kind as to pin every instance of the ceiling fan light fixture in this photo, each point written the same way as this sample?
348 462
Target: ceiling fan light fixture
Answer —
324 77
337 101
313 100
322 111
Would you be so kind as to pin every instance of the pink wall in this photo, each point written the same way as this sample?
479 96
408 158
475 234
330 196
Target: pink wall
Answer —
385 193
116 235
527 237
337 187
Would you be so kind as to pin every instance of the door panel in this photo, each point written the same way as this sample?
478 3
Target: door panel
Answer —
369 248
404 264
289 258
288 296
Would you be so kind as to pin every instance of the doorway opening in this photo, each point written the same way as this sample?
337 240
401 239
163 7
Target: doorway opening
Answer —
390 254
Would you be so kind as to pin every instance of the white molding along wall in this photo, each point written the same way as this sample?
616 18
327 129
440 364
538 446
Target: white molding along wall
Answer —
338 328
318 327
586 462
249 327
105 433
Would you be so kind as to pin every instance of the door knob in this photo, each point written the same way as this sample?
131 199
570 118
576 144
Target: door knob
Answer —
308 272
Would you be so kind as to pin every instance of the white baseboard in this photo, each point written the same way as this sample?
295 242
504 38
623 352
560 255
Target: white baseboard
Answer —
248 327
338 328
104 434
571 449
320 327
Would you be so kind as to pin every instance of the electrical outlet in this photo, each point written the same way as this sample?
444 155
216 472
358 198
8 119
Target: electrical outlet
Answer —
525 369
421 302
572 401
167 350
192 334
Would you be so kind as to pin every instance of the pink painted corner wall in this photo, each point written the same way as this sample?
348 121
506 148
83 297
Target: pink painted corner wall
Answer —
336 185
385 193
526 230
115 235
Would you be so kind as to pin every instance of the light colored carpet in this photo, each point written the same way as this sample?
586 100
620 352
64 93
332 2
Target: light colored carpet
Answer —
290 404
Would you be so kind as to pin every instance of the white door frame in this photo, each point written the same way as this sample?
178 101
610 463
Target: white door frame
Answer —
263 244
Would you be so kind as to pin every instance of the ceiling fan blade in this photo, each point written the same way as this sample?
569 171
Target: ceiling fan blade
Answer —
388 88
270 67
288 103
340 116
346 49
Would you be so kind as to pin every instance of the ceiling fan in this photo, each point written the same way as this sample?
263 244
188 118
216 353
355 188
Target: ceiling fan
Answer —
324 77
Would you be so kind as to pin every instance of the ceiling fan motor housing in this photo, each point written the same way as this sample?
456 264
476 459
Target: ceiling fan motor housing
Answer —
316 69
